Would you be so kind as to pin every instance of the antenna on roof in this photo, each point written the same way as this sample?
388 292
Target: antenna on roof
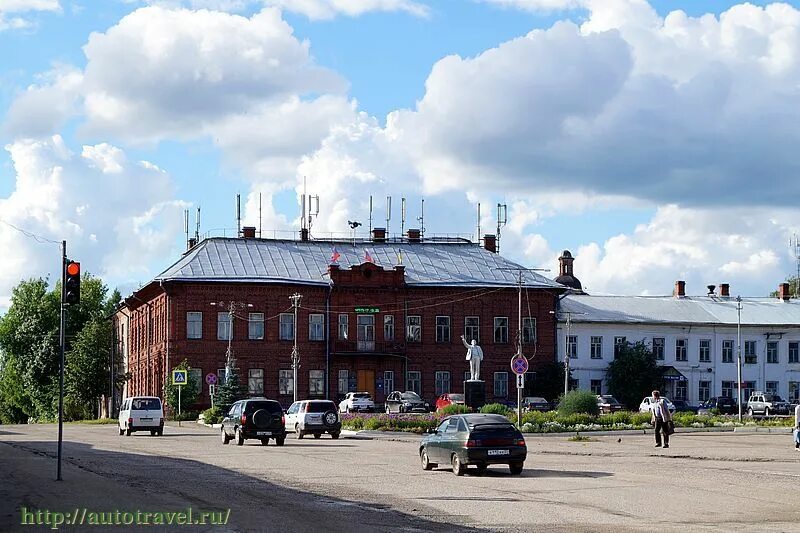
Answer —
238 215
388 213
303 206
370 214
479 223
502 220
402 215
312 212
795 243
259 215
186 225
421 219
197 226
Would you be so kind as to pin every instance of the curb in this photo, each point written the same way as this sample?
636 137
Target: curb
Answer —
777 430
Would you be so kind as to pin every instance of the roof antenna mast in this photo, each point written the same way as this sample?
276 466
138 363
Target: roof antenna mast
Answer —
479 223
238 215
186 225
197 226
370 214
402 216
795 243
421 219
388 213
502 220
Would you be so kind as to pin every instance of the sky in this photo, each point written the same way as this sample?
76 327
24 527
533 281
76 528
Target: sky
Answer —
655 141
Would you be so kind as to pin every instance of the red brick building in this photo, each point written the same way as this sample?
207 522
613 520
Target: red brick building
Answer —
376 315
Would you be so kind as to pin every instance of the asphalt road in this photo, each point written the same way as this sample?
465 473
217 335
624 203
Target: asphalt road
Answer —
704 482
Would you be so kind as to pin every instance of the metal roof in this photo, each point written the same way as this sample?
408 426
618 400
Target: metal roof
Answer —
279 261
713 310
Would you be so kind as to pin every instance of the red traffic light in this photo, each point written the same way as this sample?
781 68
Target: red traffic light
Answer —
73 269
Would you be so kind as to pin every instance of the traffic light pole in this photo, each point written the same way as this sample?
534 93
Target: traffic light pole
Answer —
62 341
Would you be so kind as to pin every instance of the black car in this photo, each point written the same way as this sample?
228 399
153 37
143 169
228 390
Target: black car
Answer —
535 403
683 406
725 406
608 404
406 402
255 418
474 439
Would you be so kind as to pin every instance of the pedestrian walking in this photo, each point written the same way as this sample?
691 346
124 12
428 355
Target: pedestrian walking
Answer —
797 428
661 418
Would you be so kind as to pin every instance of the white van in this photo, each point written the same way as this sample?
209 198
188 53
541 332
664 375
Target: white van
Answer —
141 413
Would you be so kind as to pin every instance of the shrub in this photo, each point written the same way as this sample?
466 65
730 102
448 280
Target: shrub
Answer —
213 415
185 415
453 409
637 419
495 409
578 401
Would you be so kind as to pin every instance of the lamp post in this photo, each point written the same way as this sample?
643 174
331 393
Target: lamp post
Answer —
295 298
739 351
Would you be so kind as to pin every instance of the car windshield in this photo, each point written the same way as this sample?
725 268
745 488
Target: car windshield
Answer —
319 407
609 399
361 395
456 397
777 398
272 407
411 396
146 404
535 399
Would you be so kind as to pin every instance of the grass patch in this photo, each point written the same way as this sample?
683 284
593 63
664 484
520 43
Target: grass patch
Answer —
96 421
580 438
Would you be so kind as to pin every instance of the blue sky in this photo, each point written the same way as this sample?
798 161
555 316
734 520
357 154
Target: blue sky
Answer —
599 194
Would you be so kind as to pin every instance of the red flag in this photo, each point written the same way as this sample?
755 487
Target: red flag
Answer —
335 255
367 257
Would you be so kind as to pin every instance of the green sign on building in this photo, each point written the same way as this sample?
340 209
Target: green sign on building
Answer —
367 310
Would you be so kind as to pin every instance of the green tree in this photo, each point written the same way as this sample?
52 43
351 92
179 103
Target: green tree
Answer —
232 389
578 401
792 281
549 381
189 392
634 374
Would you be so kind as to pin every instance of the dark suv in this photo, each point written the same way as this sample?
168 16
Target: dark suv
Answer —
725 406
255 418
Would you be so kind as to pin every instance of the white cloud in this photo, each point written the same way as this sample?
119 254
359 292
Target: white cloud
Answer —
43 107
23 7
537 5
328 9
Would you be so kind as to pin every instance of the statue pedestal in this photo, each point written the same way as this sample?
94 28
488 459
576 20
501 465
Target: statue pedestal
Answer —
475 394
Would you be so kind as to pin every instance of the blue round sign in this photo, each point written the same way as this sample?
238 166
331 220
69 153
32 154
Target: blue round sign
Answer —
519 364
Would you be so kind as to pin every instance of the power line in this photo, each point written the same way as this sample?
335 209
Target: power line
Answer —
402 309
30 234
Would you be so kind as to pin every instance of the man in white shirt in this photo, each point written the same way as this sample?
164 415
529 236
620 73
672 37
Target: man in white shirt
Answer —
660 418
797 428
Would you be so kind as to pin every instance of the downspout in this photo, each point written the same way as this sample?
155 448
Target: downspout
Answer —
328 343
169 330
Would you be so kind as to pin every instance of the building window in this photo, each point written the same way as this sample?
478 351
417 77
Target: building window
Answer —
772 352
748 388
414 382
223 326
680 390
316 327
286 382
388 327
680 350
220 376
574 384
705 390
388 381
727 351
414 328
750 356
442 383
794 352
794 391
705 351
344 381
196 374
771 387
343 325
572 346
619 345
596 347
597 386
316 382
501 384
255 381
365 332
472 329
658 348
194 325
528 330
727 389
286 327
255 326
501 329
443 330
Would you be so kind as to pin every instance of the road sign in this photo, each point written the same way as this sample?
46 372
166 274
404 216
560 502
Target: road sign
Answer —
211 378
179 377
519 364
520 381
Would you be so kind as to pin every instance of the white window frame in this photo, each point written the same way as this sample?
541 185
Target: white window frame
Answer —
596 347
750 353
443 329
316 383
501 384
794 352
224 329
472 330
528 330
388 381
197 375
414 381
727 351
344 381
500 329
286 382
618 343
413 328
442 380
659 345
681 351
596 386
194 325
286 327
572 346
772 387
704 350
388 328
316 327
255 326
773 354
255 381
704 390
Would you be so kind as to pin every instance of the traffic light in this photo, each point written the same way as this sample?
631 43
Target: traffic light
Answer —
72 283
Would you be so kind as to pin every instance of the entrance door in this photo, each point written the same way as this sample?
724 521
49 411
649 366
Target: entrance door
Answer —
366 381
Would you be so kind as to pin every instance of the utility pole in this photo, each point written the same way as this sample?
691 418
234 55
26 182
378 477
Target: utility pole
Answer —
739 351
62 341
566 345
295 298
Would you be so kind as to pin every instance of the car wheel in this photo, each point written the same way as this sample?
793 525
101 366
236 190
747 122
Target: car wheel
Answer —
239 437
225 438
346 409
330 418
152 432
458 467
317 435
128 432
160 432
121 430
280 441
766 412
750 412
264 442
388 411
335 435
482 468
299 432
515 468
426 464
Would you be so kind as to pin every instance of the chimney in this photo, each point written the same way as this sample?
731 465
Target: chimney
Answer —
711 290
490 243
192 243
783 292
565 263
249 232
304 234
725 290
378 234
680 289
414 235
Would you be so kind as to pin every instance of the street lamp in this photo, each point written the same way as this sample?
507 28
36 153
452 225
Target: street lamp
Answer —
232 306
739 351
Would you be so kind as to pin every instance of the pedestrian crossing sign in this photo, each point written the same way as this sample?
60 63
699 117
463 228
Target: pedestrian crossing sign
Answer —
179 377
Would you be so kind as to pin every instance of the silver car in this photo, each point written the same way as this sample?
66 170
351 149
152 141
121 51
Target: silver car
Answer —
766 404
313 417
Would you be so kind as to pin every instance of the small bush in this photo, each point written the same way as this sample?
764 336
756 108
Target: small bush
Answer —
213 415
98 421
578 401
495 409
637 419
454 409
185 415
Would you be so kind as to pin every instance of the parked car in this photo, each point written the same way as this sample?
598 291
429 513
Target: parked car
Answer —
254 418
406 402
608 404
536 403
474 439
357 401
449 399
644 407
766 404
725 406
141 413
314 417
683 406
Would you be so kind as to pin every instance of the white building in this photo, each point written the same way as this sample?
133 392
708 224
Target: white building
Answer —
695 336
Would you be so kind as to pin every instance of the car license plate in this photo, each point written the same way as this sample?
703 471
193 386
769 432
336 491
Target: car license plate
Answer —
264 433
146 419
498 452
